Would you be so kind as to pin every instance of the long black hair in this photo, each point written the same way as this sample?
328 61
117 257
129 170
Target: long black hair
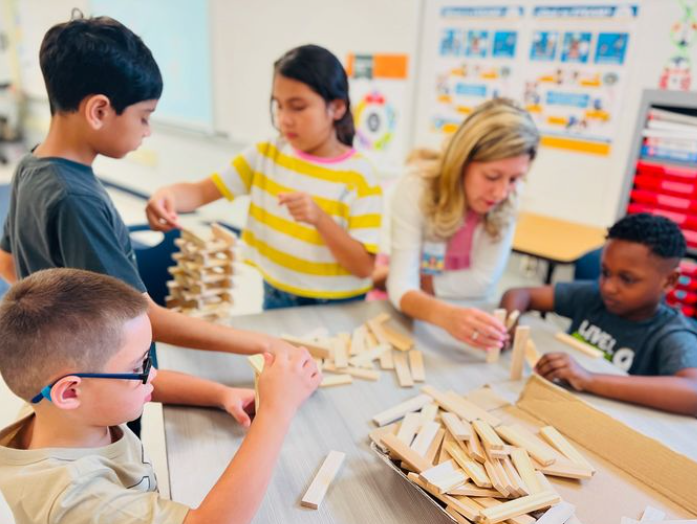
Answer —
322 72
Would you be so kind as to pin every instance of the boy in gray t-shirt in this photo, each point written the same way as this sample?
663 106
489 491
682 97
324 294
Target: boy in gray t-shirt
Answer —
623 315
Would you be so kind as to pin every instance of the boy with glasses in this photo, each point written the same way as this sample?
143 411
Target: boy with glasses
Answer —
76 344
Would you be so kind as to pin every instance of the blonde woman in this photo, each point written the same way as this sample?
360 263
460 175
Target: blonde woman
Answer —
453 222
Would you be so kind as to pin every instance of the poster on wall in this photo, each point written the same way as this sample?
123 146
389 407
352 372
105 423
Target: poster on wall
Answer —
678 72
566 63
576 74
475 60
377 85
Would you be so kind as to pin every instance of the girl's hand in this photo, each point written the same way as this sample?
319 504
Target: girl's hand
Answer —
239 403
302 207
560 366
475 327
162 211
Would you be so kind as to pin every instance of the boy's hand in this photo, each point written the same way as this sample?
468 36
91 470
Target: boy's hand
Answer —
286 382
302 207
475 327
239 403
161 211
560 366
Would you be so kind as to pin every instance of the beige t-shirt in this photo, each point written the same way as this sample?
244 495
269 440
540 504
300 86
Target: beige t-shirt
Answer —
111 484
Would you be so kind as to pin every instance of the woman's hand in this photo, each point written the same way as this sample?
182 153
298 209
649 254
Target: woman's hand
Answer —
475 327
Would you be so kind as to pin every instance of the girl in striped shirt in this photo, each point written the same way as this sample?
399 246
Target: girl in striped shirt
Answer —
315 210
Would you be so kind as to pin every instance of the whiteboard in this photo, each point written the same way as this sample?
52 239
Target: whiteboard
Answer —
250 36
177 33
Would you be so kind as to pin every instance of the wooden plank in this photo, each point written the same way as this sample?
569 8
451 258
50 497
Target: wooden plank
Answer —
557 440
488 436
517 507
377 434
489 502
444 456
424 437
336 380
494 353
558 514
518 484
520 340
498 482
221 233
357 341
459 429
544 482
512 319
472 490
396 412
429 412
340 353
476 472
416 363
257 363
403 452
368 356
566 469
434 474
524 439
523 464
466 506
486 398
579 345
409 427
532 356
460 519
475 448
315 349
376 328
330 467
399 340
365 374
475 412
402 368
387 359
435 446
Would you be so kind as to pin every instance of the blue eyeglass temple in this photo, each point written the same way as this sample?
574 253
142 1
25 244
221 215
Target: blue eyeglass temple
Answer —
147 364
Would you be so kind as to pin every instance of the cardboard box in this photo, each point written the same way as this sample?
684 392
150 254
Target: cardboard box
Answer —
633 471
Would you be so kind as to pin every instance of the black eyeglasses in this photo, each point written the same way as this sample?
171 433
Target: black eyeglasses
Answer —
143 377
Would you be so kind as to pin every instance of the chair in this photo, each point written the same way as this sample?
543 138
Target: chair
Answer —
588 266
153 262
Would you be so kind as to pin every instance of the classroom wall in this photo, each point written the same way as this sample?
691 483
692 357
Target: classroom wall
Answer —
247 36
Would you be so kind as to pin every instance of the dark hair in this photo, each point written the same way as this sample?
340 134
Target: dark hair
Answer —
91 56
661 235
62 320
322 72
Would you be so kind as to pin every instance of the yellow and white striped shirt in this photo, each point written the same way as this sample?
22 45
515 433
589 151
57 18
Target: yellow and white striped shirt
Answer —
292 256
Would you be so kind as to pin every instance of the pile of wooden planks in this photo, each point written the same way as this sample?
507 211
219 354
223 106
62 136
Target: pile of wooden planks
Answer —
481 469
373 347
202 278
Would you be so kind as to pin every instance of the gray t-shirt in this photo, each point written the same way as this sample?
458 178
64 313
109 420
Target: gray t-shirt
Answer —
661 345
61 216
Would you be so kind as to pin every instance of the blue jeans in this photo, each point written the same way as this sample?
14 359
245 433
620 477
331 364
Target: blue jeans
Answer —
274 298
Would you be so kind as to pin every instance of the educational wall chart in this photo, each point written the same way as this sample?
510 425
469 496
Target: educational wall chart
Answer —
565 63
475 60
576 75
377 85
678 70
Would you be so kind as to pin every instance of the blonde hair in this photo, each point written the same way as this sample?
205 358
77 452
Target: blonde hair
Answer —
495 130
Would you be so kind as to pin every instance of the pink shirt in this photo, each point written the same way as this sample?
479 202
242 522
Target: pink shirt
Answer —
457 255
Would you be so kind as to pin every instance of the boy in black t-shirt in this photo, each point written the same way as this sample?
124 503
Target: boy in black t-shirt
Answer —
623 315
103 84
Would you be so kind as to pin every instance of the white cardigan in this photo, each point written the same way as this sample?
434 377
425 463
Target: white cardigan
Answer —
488 256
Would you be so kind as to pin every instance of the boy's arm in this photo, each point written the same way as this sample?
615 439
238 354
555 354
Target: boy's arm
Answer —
677 393
284 385
172 387
7 267
184 197
529 299
177 329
